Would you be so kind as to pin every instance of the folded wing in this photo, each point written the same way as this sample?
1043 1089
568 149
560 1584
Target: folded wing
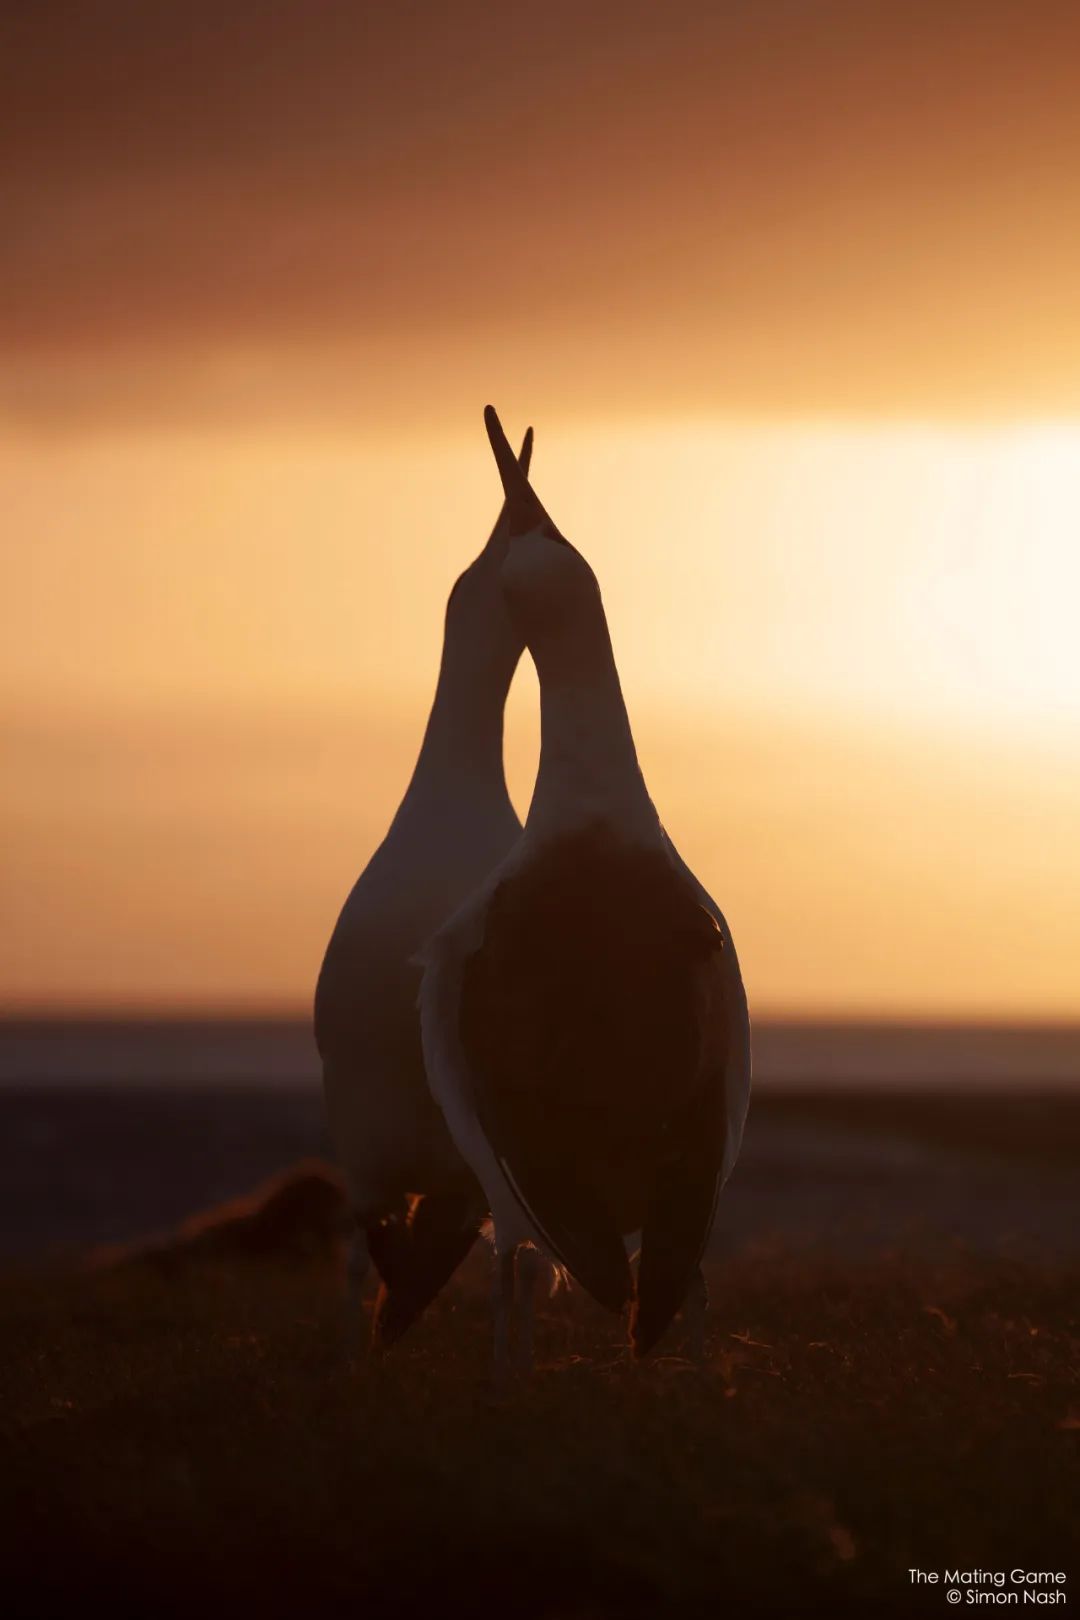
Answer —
593 1022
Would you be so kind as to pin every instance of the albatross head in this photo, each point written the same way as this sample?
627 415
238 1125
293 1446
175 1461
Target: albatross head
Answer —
547 584
476 614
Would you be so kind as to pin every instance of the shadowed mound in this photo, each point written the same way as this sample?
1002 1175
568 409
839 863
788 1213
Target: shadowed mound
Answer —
594 1025
299 1214
302 1214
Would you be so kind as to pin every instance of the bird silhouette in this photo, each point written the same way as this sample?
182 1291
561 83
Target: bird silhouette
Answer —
416 1207
584 1021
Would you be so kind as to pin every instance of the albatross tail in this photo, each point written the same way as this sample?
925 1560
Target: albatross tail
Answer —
416 1261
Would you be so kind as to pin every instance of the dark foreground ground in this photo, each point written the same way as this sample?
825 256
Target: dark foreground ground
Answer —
891 1380
183 1436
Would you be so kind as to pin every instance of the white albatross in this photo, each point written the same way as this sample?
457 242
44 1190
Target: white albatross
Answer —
584 1022
415 1206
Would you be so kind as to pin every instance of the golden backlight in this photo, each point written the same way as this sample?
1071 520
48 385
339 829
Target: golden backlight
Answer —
848 651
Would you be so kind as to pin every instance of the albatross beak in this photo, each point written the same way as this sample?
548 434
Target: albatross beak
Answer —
503 525
525 453
523 511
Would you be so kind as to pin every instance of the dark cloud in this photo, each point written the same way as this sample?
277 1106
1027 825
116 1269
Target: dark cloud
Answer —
789 204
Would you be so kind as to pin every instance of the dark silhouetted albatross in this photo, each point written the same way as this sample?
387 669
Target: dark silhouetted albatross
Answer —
416 1204
584 1022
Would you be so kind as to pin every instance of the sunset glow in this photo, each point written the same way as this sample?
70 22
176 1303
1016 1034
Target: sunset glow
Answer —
847 652
801 347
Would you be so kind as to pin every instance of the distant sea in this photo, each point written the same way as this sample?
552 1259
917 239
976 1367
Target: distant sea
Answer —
281 1053
861 1136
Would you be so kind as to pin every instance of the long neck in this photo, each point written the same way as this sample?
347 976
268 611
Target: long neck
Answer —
588 763
463 742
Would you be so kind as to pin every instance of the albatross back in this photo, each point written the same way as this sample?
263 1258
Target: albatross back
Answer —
595 1026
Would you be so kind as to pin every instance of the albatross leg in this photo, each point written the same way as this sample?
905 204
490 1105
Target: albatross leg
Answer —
697 1303
528 1269
502 1300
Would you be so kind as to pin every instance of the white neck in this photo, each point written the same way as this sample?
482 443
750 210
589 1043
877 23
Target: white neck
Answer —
462 750
588 763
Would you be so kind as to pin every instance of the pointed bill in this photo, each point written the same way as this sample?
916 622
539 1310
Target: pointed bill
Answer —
522 509
502 528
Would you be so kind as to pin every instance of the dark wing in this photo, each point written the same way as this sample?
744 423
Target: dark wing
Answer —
416 1258
580 1023
517 1047
688 1179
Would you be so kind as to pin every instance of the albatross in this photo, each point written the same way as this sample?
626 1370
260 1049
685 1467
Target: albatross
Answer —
584 1023
415 1206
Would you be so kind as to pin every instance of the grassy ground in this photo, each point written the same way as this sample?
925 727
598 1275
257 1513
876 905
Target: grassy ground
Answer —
193 1442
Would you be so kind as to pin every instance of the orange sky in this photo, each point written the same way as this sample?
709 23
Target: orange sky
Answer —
806 205
790 293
